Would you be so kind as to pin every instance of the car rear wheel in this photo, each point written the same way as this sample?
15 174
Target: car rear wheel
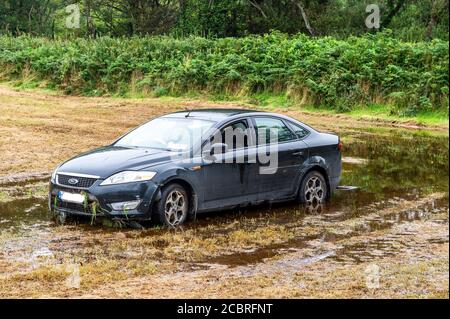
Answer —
172 210
313 189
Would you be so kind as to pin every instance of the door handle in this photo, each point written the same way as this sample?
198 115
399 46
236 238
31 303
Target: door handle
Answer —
298 153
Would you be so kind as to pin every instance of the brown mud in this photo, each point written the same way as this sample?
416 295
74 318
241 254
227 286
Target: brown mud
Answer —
388 238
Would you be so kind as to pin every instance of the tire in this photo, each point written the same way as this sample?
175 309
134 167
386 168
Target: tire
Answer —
313 189
62 218
173 208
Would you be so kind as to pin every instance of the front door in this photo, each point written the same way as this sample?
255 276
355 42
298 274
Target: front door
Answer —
227 177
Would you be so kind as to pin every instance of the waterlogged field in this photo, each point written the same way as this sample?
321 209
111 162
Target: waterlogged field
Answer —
386 239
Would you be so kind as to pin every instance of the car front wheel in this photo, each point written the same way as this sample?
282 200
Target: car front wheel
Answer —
172 210
313 189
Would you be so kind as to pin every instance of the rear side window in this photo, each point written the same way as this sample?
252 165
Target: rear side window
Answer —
271 130
299 131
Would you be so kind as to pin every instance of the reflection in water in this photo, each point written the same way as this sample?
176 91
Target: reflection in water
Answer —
314 208
20 216
398 164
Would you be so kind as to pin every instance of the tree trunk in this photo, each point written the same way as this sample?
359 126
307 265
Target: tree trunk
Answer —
90 30
258 8
30 20
430 27
436 8
310 29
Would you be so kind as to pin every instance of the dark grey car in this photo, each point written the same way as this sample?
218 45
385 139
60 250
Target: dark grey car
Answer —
199 161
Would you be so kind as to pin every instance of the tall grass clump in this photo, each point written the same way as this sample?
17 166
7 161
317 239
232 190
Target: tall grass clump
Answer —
338 74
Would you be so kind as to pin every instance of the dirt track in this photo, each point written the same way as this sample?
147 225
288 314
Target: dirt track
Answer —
389 239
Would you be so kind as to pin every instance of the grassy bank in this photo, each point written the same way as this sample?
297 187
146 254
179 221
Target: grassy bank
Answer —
388 114
371 112
338 75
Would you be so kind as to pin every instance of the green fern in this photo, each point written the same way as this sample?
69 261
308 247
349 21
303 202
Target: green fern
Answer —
322 71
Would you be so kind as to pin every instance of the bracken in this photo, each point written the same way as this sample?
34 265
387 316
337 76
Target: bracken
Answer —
337 74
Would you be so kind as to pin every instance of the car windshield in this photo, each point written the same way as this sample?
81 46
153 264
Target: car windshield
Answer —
166 133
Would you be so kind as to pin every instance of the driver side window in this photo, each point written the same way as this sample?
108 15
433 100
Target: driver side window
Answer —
235 135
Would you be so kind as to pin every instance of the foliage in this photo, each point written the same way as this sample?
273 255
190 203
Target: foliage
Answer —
412 20
322 71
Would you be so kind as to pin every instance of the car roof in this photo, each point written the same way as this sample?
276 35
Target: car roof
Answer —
222 115
212 114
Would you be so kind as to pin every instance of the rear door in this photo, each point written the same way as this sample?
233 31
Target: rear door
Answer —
281 155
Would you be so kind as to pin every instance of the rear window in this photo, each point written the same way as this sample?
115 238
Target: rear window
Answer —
271 130
299 130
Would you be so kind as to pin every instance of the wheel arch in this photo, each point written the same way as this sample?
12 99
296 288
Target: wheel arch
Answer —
190 189
322 170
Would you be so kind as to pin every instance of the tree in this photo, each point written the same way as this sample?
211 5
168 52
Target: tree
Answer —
394 7
25 16
305 18
412 19
437 8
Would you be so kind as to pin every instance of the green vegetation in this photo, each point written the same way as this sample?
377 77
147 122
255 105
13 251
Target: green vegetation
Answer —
321 54
411 20
335 74
389 113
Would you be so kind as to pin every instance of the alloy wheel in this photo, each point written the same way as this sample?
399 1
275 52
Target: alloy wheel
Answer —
314 191
175 207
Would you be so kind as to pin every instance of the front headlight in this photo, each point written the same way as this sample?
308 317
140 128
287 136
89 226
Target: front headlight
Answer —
128 177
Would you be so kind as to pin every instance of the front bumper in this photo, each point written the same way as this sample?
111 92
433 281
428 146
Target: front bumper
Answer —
103 196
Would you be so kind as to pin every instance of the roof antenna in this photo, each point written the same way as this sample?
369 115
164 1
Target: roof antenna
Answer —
187 115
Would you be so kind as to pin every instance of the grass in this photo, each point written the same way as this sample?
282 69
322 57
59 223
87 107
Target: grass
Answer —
387 112
269 102
372 112
3 196
17 192
160 263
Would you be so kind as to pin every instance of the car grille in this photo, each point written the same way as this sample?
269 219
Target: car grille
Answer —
82 182
74 208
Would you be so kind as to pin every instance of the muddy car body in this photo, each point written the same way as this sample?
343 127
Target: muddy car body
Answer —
154 178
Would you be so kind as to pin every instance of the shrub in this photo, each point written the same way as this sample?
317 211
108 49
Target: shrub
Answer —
324 71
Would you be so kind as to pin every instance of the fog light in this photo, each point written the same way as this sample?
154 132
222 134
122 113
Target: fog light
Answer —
126 205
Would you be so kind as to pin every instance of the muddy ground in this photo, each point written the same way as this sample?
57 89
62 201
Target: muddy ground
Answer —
386 239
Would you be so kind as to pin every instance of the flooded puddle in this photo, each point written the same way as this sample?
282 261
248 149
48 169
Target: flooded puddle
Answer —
391 178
